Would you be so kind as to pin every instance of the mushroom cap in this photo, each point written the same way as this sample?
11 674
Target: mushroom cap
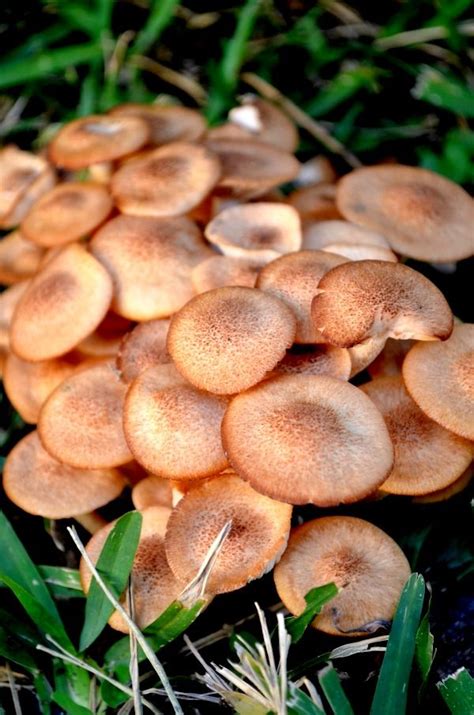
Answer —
308 439
106 339
259 230
97 138
315 360
152 491
294 279
250 168
24 177
427 456
362 560
19 258
150 262
315 203
9 299
220 271
143 347
67 213
63 304
450 491
154 586
364 299
362 253
81 422
318 235
166 124
363 354
39 484
317 170
227 339
421 214
174 431
440 378
266 122
388 363
258 536
167 181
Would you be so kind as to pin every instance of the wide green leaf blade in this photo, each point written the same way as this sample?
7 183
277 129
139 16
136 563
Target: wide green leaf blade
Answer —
62 582
332 689
114 565
392 686
12 649
457 691
315 600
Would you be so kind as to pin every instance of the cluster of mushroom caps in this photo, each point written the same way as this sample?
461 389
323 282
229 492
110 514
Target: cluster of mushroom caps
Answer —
177 324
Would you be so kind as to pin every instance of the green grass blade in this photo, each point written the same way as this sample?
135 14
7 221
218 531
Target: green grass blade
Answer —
114 565
62 582
332 689
11 649
161 14
457 691
298 703
424 649
392 686
315 600
47 63
444 91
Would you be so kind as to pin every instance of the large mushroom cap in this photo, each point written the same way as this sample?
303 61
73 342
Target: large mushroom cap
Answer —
364 299
260 230
362 560
167 124
154 585
421 214
67 213
81 422
19 258
220 271
143 347
63 304
440 378
427 456
24 177
175 431
39 484
259 532
308 439
94 139
266 123
150 262
294 279
168 181
227 339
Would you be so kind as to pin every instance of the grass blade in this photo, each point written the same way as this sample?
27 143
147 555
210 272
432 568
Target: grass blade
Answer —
332 689
161 14
424 649
457 691
392 686
298 703
114 564
62 582
315 600
49 62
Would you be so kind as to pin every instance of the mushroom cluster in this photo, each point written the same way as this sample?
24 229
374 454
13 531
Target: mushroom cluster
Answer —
176 324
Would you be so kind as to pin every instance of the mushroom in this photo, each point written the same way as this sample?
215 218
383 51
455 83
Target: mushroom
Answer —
427 456
440 378
421 214
308 439
294 279
258 535
167 181
220 271
63 304
143 347
174 431
81 421
448 492
363 299
152 491
316 171
67 213
24 177
265 122
106 339
388 363
363 354
315 203
227 339
260 230
366 565
166 123
315 360
318 235
9 299
19 258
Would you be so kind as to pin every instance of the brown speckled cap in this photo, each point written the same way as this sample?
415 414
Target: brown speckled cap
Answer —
166 124
152 491
24 177
315 360
220 271
265 122
20 259
143 347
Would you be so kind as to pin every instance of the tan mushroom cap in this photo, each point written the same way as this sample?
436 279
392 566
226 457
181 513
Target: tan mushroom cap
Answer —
175 431
318 235
19 258
106 339
168 181
81 422
39 484
67 213
364 299
220 271
150 261
441 380
317 170
363 354
294 279
251 168
154 586
63 304
227 339
258 536
97 138
427 456
362 560
143 347
266 122
9 299
450 491
167 124
24 177
308 439
362 253
388 363
152 491
259 230
315 203
315 360
422 215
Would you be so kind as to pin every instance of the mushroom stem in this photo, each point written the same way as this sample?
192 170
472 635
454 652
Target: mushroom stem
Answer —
91 522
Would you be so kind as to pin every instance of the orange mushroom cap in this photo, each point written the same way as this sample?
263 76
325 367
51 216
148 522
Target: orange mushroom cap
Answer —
9 300
166 124
315 360
315 203
24 177
19 258
266 122
152 491
220 271
143 347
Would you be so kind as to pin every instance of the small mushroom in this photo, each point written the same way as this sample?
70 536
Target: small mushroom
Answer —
166 124
366 565
19 258
258 535
106 339
315 203
266 123
152 491
9 299
318 235
24 177
448 492
227 339
315 360
388 363
143 347
363 354
220 271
